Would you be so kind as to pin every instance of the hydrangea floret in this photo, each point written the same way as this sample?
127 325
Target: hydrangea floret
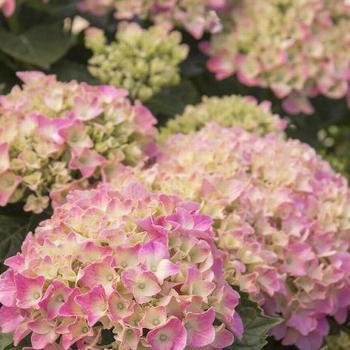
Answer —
54 136
280 212
196 16
138 266
228 111
96 7
140 60
298 48
7 7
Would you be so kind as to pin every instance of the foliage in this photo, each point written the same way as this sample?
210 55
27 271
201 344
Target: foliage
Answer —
14 226
256 325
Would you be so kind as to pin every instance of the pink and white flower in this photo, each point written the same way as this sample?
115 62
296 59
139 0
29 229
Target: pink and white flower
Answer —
282 216
300 55
75 132
96 267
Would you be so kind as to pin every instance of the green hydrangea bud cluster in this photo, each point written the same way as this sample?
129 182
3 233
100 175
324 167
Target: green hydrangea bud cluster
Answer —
339 341
335 147
140 60
228 111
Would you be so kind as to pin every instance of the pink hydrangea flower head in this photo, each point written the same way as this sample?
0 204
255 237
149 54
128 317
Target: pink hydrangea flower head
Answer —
300 52
282 216
196 16
139 265
56 136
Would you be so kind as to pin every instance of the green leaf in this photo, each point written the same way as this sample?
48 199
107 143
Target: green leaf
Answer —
12 233
13 230
194 65
40 46
172 100
5 340
256 325
57 8
7 75
67 70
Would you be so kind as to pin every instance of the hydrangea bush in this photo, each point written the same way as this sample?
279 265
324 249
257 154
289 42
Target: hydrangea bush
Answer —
196 16
228 111
142 267
137 264
297 48
55 136
280 212
140 60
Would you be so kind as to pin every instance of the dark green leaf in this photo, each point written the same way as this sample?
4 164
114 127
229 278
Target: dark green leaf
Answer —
13 229
256 325
7 76
40 46
5 340
194 65
67 70
172 100
57 8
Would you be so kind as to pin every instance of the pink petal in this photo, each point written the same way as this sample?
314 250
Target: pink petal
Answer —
86 108
20 333
197 286
223 67
142 284
43 333
7 288
49 129
223 338
100 273
154 317
109 93
76 136
303 323
144 120
165 269
10 319
4 157
86 161
8 184
16 263
70 308
94 304
200 329
170 336
55 296
77 331
119 307
43 341
29 290
153 252
9 7
127 257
